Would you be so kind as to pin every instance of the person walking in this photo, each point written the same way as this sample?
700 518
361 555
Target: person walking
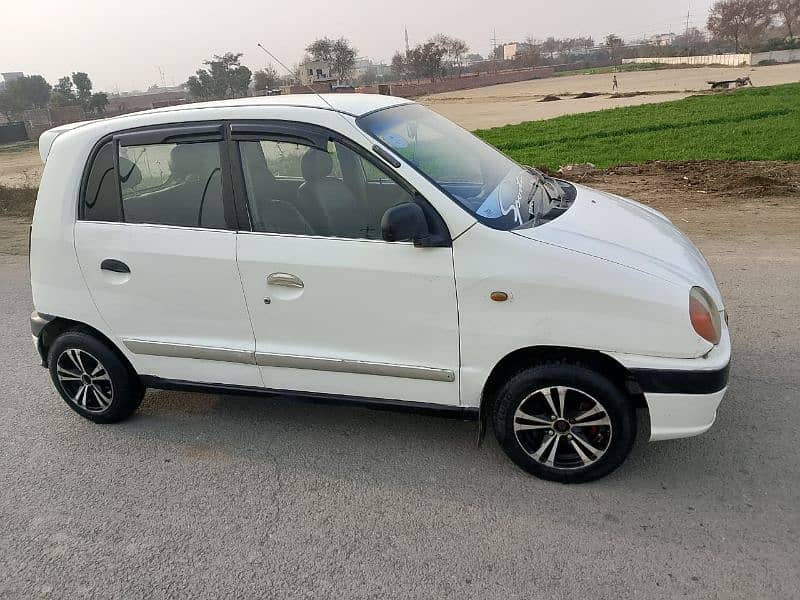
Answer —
614 84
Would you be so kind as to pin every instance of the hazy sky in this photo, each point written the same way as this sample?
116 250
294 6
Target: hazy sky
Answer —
122 45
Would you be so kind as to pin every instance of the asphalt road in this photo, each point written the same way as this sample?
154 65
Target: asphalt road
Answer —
209 497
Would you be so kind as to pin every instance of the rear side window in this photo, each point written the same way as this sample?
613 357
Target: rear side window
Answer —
162 184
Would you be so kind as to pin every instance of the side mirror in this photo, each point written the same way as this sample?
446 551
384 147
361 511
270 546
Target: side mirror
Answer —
405 222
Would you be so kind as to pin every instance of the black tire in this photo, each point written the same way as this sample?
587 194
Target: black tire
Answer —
114 393
579 386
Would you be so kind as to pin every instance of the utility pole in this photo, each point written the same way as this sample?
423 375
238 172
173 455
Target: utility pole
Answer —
688 12
494 50
406 41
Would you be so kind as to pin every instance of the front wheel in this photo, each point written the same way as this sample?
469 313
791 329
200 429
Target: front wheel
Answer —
92 379
564 422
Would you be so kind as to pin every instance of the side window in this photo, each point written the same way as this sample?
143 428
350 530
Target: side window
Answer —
172 184
163 184
303 190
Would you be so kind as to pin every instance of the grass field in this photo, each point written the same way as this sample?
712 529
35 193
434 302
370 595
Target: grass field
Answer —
749 124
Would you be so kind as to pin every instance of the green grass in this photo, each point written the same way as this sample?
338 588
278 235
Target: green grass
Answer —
749 124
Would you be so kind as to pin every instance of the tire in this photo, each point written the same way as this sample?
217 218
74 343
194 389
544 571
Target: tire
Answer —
593 431
92 378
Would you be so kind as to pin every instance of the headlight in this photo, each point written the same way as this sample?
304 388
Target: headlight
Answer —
704 315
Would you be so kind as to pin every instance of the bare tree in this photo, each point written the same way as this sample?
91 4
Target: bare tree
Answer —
343 59
741 21
265 79
789 11
613 45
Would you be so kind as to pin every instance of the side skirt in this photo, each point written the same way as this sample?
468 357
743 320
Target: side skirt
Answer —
465 413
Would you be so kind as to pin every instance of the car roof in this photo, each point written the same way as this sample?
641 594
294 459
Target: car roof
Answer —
355 105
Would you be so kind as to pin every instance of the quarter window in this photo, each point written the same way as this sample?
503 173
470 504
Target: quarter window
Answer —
164 184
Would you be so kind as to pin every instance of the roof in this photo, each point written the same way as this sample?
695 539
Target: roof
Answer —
352 104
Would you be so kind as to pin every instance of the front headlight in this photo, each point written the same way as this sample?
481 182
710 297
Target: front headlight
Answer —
704 315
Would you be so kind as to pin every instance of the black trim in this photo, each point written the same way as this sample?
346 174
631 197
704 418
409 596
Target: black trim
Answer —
384 154
39 321
454 412
175 134
663 381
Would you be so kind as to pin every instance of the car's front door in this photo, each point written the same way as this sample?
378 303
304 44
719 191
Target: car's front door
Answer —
335 308
156 243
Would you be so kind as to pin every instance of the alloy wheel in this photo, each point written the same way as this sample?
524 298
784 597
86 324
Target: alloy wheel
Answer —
85 380
562 427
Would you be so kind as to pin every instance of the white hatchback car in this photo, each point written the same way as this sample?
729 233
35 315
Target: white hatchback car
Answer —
362 249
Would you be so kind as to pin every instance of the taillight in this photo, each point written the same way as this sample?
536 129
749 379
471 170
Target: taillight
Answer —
704 315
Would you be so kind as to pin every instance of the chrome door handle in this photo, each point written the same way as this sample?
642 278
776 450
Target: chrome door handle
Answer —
285 280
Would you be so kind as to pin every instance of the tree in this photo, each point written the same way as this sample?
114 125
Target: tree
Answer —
225 77
424 61
27 92
613 45
399 67
63 93
454 50
740 21
789 11
321 49
265 79
9 106
343 60
97 102
83 87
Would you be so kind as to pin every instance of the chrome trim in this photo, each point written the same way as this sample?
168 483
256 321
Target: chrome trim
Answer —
361 367
285 280
170 349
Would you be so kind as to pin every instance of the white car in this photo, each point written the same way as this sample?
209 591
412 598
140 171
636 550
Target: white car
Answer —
362 249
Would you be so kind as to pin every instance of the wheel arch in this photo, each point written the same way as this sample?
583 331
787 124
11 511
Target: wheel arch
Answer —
59 325
522 358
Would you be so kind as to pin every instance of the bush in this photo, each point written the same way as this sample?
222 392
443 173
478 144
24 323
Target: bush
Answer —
17 201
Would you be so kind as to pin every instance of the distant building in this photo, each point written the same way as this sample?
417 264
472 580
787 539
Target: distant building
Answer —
365 65
663 39
472 59
316 71
9 77
512 49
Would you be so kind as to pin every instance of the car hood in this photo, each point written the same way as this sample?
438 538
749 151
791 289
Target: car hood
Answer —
630 234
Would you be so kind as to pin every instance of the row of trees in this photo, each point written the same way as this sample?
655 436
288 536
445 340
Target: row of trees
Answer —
439 56
748 23
31 92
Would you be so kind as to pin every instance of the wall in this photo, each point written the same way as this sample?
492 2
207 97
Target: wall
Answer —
729 60
466 82
781 56
13 132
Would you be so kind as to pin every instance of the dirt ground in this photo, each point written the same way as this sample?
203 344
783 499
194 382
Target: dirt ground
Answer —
509 103
20 165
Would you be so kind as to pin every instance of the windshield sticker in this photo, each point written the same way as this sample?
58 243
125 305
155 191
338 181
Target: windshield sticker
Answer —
395 140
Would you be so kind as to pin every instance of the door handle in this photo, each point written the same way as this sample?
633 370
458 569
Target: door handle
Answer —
117 266
285 280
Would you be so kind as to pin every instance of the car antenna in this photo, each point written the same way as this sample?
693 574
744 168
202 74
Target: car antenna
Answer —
378 149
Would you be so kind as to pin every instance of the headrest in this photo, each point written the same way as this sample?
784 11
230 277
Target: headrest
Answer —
198 160
316 165
129 174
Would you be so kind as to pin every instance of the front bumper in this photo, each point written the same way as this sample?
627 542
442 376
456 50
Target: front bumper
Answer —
682 394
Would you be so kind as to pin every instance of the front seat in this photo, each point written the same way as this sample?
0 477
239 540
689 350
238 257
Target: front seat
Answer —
327 203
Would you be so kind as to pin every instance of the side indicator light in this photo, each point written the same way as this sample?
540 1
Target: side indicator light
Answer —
498 296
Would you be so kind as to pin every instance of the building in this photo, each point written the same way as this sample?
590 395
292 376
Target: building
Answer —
512 50
663 39
9 77
316 71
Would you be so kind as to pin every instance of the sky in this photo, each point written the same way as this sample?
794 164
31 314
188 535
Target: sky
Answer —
127 45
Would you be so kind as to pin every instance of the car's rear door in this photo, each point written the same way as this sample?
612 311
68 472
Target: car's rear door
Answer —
335 308
156 242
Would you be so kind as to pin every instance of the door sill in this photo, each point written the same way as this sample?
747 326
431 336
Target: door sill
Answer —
465 413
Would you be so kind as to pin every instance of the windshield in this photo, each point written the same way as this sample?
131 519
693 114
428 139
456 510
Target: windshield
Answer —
491 186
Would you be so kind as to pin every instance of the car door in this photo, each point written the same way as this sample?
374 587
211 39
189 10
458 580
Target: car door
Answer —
156 242
336 309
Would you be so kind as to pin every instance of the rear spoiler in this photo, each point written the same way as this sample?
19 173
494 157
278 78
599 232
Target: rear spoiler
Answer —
48 137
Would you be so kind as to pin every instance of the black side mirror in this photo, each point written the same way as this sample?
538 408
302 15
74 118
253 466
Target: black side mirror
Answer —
405 222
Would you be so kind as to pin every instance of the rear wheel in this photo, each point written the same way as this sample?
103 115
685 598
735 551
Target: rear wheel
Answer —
92 378
564 422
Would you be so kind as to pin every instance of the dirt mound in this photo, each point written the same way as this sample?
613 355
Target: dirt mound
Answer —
756 178
588 94
550 98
